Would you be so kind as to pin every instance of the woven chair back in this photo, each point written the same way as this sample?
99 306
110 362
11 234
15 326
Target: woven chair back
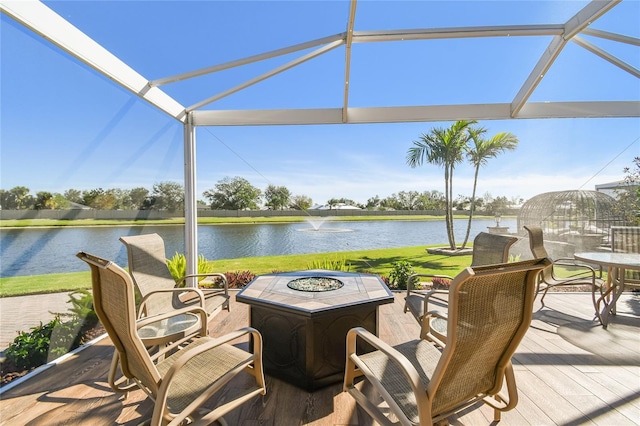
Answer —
626 239
490 249
114 303
536 242
489 313
149 270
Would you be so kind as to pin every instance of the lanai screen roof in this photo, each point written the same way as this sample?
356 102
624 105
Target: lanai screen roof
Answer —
355 50
223 69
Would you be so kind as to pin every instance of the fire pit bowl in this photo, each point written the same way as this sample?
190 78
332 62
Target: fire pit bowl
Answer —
315 284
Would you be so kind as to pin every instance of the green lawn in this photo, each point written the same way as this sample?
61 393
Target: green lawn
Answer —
373 261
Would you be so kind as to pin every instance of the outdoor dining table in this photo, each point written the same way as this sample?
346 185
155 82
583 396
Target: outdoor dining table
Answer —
616 264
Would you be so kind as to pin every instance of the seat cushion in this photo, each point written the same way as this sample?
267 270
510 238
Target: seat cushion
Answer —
199 372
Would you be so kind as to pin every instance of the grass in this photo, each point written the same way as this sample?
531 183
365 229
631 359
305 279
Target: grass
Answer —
377 261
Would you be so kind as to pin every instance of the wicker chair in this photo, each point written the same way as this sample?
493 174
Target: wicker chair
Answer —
626 239
190 375
580 273
490 309
157 287
488 249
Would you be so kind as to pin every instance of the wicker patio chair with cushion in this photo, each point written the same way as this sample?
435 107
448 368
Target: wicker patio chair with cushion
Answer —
488 249
190 375
157 287
490 309
579 274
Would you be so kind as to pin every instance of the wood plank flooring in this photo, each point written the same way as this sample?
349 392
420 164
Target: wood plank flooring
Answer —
569 371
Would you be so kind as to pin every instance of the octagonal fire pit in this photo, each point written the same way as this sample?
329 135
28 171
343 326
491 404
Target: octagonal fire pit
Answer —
304 317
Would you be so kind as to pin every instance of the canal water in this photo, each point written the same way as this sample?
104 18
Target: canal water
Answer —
35 251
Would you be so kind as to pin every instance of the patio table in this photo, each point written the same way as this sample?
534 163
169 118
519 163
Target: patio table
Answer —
617 264
161 332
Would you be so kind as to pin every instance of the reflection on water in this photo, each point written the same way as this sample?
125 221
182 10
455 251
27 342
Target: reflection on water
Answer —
35 251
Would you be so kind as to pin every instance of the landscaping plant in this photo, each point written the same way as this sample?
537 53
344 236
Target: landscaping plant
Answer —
49 341
239 279
439 283
399 275
331 264
178 267
32 349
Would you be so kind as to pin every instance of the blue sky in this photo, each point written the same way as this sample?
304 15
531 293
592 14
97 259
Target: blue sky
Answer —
65 126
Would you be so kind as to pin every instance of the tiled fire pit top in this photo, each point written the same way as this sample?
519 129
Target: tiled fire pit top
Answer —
275 289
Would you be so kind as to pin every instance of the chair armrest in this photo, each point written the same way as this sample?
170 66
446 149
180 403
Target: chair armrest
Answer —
191 309
199 295
434 294
408 370
428 332
412 278
225 285
574 264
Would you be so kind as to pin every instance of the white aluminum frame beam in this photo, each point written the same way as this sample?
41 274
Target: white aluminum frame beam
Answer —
247 60
267 75
457 32
190 201
611 36
45 22
573 26
607 56
404 114
347 59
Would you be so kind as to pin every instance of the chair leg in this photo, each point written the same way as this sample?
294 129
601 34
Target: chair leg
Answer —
544 293
497 415
117 384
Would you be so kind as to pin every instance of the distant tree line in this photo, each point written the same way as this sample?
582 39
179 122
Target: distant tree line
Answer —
229 193
163 196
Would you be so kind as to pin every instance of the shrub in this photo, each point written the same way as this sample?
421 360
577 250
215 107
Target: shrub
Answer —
239 279
31 349
55 338
178 267
331 265
82 307
440 283
399 275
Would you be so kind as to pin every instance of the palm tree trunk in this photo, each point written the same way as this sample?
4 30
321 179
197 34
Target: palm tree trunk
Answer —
472 207
448 179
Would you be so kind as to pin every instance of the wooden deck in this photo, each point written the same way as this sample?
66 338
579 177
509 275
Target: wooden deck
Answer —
569 371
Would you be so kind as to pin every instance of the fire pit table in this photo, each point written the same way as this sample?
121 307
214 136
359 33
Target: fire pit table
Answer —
304 317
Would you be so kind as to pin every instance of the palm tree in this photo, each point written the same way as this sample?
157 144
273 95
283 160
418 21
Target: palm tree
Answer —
443 147
478 155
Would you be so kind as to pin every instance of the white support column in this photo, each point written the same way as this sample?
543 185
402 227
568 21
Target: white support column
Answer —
190 203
